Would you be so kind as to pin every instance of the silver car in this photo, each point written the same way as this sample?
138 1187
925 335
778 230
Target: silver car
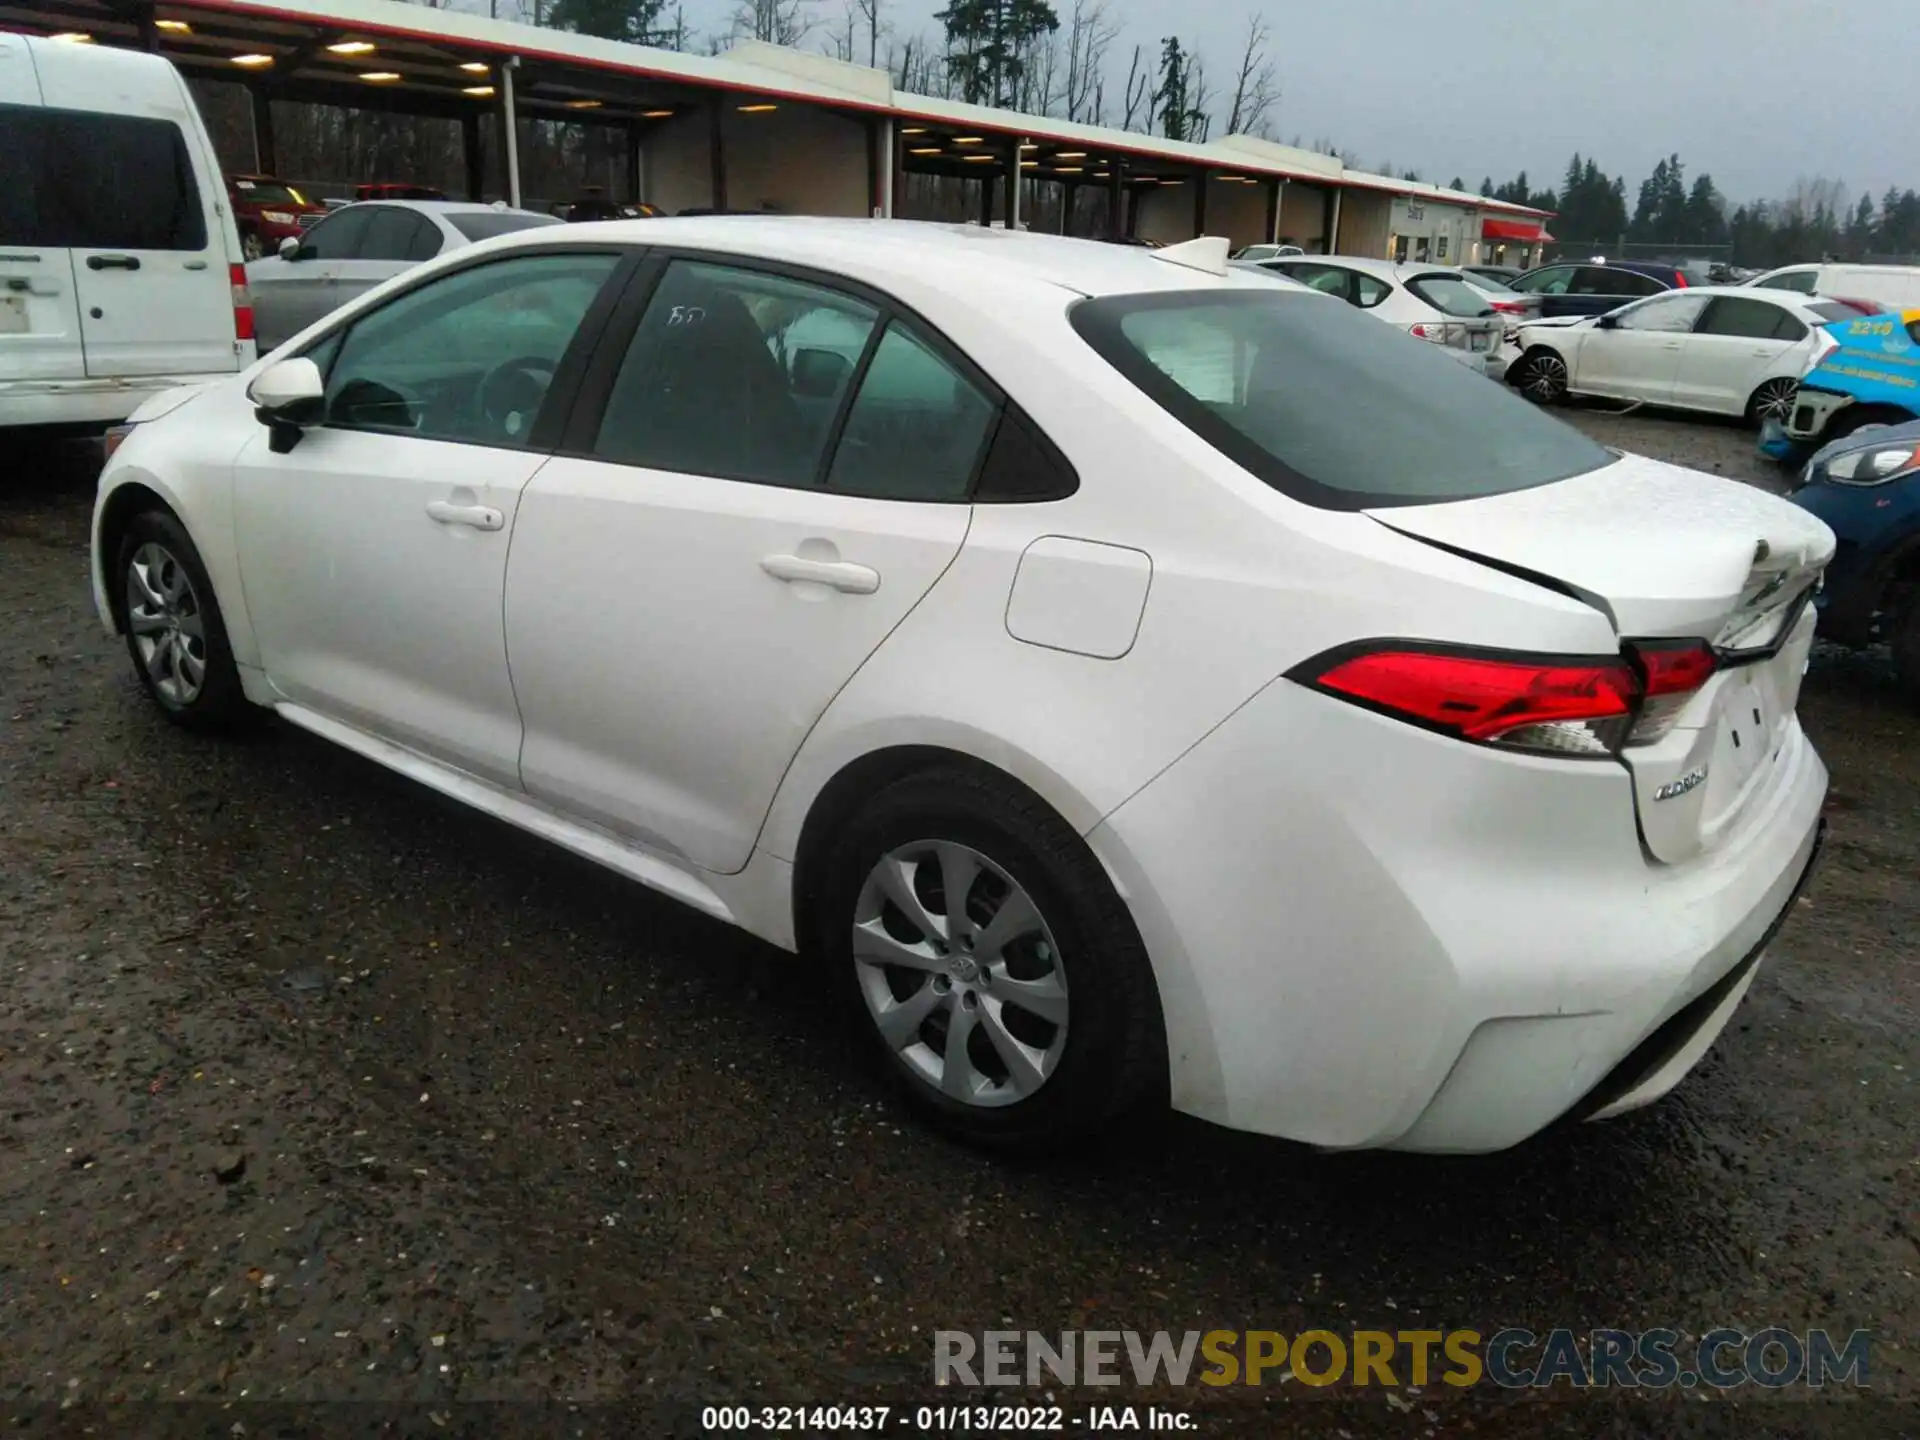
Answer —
358 247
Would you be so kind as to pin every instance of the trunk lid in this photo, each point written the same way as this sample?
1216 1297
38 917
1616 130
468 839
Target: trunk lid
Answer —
1670 554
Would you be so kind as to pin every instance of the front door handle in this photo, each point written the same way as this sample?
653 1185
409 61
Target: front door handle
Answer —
480 517
113 262
852 579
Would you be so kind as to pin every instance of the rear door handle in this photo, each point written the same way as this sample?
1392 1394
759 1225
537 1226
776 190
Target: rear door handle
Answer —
839 574
113 262
480 517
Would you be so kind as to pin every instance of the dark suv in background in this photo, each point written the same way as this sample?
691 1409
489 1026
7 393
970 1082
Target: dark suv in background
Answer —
1589 288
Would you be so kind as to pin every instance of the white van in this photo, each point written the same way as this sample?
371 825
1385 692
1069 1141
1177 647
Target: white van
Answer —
120 267
1895 286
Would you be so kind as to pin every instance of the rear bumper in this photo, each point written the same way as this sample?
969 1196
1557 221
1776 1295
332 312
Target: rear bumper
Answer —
89 401
1813 412
1369 936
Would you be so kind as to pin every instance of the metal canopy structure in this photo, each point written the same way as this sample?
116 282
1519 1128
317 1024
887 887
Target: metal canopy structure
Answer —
416 60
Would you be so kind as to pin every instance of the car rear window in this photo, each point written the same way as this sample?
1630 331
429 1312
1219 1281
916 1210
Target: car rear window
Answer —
1328 405
1450 295
75 179
484 226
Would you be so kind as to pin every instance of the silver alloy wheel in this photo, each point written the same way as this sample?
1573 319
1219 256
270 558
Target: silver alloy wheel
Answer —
960 973
163 614
1543 377
1774 400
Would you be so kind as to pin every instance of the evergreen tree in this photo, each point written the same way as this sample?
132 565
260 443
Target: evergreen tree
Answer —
989 43
635 21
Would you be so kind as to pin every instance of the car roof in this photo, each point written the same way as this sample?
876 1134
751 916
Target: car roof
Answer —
442 207
964 258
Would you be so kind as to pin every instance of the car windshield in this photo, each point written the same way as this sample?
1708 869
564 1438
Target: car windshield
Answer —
269 192
484 225
1449 294
1325 403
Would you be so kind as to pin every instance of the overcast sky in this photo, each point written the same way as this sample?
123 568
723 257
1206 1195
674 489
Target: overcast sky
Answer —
1757 92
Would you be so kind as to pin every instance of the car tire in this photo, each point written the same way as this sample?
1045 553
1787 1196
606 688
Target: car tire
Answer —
176 635
1772 400
1541 376
1062 1032
252 247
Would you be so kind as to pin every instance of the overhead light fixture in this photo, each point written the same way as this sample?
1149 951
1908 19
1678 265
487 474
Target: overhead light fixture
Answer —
913 130
381 77
584 104
476 67
1068 169
1230 179
979 159
760 109
924 150
1028 145
1173 182
966 139
1029 164
173 27
1070 155
253 62
656 114
478 91
74 37
352 47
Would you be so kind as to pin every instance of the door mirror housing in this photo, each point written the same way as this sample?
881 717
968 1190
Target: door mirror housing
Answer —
290 248
286 397
1608 322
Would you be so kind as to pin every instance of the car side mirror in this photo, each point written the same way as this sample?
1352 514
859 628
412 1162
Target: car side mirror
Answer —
286 397
818 374
1609 322
290 248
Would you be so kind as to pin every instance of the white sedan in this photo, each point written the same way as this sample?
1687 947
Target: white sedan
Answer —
1722 349
1435 303
1123 677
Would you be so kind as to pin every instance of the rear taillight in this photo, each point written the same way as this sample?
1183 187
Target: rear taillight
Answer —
1823 346
1556 705
1510 307
1679 279
242 303
1565 706
1671 674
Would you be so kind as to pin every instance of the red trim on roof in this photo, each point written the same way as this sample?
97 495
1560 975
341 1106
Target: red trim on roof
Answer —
1513 230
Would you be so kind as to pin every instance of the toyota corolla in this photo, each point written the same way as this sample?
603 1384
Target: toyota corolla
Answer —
1127 680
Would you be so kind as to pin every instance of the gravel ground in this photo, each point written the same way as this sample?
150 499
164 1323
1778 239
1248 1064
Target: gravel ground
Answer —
321 1091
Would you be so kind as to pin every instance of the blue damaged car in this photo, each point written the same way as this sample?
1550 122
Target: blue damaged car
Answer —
1866 486
1863 372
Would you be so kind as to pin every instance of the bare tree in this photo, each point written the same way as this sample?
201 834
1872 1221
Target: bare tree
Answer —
1089 34
1200 100
1139 93
1040 82
778 22
868 13
1255 89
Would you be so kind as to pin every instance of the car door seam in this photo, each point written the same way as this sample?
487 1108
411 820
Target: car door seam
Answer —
773 796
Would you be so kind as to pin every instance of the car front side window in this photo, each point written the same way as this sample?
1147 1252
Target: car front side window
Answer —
466 357
1545 282
338 236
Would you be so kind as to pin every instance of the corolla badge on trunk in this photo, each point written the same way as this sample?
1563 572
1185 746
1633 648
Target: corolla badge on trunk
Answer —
1688 782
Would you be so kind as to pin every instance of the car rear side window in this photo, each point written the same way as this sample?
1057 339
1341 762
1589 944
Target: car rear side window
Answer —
80 180
1744 319
1830 312
1330 407
393 234
916 427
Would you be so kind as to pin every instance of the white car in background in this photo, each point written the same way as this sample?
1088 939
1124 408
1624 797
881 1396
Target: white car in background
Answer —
1726 350
1869 287
1136 679
1430 302
1512 306
363 245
